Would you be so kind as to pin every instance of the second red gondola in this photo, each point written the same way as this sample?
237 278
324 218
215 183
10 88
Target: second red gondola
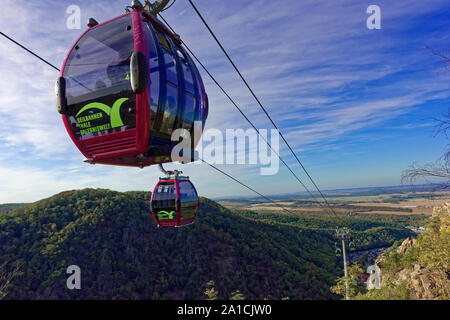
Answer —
174 202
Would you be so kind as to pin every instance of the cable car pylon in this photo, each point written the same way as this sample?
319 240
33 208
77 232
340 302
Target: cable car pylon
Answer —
344 234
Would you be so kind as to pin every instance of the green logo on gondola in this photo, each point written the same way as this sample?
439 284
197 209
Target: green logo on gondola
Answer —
114 114
164 215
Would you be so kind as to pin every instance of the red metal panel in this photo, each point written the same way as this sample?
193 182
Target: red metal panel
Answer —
143 99
177 188
110 144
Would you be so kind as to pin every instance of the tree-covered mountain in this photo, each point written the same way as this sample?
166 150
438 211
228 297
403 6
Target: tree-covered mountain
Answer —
112 237
6 207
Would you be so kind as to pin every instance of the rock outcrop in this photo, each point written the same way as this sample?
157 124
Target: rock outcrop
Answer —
419 282
408 243
424 278
443 213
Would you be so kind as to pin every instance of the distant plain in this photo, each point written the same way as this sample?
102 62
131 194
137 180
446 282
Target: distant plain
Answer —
387 202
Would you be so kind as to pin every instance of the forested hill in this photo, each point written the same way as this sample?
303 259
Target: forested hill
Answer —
10 206
112 237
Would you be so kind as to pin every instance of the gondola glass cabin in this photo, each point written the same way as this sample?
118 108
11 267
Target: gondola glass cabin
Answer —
124 87
174 202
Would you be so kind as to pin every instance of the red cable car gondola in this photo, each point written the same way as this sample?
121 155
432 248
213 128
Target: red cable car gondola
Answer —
174 200
125 86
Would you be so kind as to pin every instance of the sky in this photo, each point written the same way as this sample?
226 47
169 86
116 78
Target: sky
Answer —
356 104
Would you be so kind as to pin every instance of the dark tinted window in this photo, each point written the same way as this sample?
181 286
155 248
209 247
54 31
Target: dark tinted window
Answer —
169 115
170 110
189 199
171 68
200 93
154 90
154 76
100 60
169 60
189 110
187 72
98 89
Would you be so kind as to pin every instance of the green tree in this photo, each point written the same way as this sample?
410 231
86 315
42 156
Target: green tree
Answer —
6 277
354 285
237 295
210 292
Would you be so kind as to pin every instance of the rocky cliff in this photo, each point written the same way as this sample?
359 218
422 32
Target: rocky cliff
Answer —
419 268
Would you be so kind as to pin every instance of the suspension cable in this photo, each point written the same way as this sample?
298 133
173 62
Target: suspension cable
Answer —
260 104
246 186
246 118
29 51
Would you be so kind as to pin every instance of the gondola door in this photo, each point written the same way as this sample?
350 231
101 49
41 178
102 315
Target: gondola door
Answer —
188 201
165 204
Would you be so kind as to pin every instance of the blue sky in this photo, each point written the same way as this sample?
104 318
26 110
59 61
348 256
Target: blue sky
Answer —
356 104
